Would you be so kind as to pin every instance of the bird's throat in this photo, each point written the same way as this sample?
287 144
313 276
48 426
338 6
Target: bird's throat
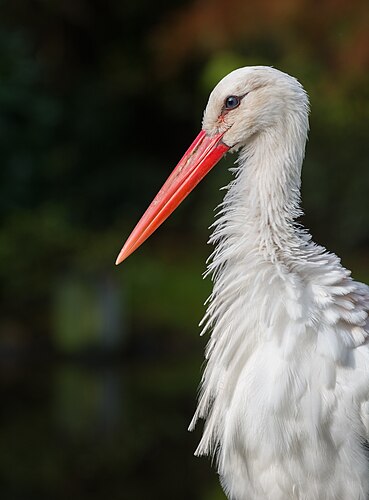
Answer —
264 200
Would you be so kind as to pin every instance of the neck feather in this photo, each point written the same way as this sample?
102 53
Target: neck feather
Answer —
262 202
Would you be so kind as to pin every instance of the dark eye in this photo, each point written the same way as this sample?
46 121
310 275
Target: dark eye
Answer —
232 102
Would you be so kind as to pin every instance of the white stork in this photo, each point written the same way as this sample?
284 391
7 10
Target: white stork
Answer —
286 386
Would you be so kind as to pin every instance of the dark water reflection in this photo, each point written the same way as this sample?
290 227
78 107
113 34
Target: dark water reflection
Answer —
93 430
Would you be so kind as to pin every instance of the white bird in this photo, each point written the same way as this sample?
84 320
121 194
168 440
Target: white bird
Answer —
286 387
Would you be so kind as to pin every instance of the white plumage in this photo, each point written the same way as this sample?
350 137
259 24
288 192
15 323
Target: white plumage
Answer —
286 387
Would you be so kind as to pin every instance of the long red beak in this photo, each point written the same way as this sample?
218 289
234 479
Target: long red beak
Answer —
201 156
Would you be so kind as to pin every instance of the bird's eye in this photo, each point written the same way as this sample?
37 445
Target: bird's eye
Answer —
232 102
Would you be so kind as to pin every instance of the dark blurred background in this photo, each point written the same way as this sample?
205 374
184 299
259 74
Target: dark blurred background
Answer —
99 365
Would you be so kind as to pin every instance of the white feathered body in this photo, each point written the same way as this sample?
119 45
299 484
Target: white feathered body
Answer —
286 386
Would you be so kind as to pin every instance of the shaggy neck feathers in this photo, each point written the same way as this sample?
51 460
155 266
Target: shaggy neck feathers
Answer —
262 202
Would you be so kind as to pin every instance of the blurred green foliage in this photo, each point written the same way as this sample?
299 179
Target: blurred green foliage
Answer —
78 431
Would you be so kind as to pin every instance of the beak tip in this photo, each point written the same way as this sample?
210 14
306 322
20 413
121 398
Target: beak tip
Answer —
124 253
121 257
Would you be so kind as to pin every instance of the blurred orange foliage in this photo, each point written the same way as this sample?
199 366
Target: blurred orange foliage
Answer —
332 33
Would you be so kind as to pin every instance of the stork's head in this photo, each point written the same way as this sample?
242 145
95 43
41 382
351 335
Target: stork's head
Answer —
253 100
246 103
